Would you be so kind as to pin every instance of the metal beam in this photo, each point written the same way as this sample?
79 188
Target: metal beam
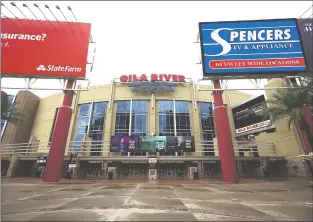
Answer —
270 88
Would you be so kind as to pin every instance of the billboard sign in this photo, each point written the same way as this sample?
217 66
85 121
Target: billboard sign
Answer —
44 49
124 144
152 143
241 48
180 144
306 30
249 117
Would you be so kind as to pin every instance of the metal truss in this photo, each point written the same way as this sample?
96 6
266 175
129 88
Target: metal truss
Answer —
225 88
12 10
29 82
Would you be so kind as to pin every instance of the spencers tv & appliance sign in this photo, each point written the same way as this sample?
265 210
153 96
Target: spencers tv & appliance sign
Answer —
249 117
240 48
44 49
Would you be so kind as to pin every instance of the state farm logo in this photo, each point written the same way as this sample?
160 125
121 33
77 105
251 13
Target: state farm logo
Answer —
41 68
54 68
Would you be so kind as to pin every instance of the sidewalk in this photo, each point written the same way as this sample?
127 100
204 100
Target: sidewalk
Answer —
166 182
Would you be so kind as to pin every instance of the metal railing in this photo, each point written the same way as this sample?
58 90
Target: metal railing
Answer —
102 148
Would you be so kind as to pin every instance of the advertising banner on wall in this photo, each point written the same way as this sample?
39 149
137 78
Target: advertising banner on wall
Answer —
306 30
124 144
238 48
44 49
152 143
180 143
249 117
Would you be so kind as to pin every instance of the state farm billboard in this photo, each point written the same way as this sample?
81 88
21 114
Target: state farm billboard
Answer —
241 48
44 49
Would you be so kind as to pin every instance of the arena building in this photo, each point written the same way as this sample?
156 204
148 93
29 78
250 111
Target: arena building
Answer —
146 110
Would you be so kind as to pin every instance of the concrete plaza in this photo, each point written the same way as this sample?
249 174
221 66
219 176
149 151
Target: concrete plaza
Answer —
159 201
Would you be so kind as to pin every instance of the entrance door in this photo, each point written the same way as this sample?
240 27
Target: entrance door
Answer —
152 174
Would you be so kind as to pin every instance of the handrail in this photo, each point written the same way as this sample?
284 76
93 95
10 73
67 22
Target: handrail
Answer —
89 147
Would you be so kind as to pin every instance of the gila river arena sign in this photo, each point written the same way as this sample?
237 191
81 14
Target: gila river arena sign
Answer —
155 83
241 48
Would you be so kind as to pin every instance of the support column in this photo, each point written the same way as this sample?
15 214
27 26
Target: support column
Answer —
224 138
59 138
14 161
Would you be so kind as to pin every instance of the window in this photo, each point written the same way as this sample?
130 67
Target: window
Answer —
53 124
166 118
174 119
11 99
207 127
122 118
90 120
139 118
182 118
131 119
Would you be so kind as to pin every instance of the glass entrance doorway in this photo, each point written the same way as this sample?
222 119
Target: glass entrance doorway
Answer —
134 171
171 173
95 170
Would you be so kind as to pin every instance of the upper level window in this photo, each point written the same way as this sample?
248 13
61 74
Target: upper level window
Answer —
90 120
207 127
131 119
174 119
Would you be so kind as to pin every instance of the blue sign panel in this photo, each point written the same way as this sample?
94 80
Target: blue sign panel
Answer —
251 47
152 86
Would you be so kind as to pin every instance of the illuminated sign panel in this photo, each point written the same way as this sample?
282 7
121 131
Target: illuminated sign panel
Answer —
251 47
250 117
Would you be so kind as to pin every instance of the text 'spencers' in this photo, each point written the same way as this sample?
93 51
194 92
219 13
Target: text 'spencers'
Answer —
247 48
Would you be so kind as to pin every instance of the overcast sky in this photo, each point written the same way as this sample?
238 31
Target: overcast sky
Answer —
153 37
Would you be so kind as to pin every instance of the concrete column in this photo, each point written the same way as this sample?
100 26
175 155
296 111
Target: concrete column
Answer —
200 169
13 165
76 169
105 169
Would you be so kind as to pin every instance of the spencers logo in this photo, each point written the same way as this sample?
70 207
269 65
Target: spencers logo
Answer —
53 68
249 36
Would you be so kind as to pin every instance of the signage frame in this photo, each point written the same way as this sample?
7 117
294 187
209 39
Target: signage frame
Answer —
250 75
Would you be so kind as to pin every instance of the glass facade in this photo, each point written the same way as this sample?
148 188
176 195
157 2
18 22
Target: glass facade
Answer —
207 127
53 124
174 119
131 119
4 122
90 120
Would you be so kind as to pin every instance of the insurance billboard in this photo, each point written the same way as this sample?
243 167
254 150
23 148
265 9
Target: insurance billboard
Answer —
249 117
44 49
306 30
241 48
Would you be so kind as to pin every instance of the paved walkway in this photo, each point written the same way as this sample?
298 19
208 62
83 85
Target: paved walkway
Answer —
175 201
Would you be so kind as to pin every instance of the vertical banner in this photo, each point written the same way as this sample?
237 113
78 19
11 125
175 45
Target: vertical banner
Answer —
306 30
